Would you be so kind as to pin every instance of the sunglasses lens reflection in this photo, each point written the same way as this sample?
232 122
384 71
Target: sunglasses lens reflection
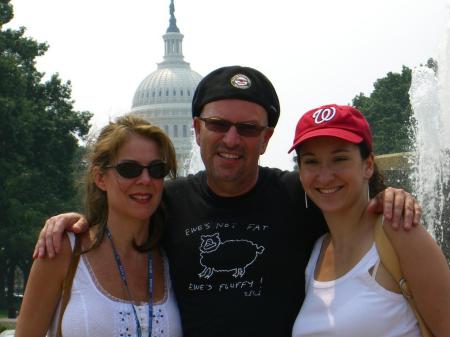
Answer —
156 169
222 126
129 170
217 125
248 130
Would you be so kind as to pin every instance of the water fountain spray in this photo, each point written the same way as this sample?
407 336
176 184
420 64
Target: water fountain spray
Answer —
430 100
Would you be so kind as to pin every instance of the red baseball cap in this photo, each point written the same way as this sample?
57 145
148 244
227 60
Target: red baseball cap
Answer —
341 121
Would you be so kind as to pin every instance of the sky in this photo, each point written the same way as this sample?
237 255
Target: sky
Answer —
314 52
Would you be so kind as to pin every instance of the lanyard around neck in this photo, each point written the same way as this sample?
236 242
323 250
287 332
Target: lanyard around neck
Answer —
121 269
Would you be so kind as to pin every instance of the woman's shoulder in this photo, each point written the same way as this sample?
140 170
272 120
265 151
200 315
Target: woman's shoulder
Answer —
56 265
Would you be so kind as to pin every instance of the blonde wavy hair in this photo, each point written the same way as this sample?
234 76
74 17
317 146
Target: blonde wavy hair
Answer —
103 153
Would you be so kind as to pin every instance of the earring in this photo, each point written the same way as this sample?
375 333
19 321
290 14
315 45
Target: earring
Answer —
306 201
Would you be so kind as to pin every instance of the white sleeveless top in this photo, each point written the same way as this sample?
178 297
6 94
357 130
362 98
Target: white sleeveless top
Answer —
92 312
354 305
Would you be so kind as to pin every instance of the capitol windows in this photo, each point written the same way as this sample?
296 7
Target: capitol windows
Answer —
160 93
174 92
166 129
181 92
184 131
167 92
189 93
175 130
153 94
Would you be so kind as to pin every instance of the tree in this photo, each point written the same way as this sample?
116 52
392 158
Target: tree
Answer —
388 112
39 136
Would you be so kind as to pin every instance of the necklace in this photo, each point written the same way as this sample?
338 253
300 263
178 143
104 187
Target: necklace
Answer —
123 276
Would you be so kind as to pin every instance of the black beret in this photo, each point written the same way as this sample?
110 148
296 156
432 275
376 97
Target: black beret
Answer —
236 82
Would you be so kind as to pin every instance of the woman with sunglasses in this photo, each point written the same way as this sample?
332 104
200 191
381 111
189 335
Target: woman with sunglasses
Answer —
121 286
348 291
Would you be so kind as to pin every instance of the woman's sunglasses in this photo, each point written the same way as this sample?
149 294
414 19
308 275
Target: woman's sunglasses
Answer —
157 169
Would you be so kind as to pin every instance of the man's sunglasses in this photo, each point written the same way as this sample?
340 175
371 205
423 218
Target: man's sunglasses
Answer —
222 126
157 169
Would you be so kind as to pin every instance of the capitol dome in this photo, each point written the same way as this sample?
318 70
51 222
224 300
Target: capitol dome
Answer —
164 97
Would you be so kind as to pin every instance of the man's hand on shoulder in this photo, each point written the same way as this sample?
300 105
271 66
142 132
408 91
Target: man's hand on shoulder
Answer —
399 208
49 241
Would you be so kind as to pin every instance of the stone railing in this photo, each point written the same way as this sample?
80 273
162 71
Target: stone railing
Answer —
396 170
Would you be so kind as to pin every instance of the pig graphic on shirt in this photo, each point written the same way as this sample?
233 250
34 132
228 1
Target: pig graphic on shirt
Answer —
226 256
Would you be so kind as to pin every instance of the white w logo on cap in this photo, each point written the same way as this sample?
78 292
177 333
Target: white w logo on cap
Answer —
324 115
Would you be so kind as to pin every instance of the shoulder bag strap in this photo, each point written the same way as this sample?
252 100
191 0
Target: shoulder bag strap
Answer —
68 280
390 261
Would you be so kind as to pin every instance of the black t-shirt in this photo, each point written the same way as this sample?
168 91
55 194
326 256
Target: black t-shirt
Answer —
237 264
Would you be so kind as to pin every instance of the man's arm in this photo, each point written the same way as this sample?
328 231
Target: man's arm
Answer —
51 234
399 208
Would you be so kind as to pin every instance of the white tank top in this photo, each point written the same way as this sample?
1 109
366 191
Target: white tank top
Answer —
353 305
92 312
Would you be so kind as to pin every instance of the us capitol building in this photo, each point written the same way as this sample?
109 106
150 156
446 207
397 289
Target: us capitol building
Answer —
164 97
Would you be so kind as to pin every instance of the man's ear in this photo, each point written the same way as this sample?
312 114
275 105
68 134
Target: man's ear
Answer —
266 137
197 126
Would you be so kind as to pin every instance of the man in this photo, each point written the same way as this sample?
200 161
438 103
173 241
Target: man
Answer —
238 235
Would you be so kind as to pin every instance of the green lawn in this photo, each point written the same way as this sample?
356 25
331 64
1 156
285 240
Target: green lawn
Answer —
7 325
3 324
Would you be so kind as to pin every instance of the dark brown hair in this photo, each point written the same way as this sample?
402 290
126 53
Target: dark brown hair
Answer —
376 181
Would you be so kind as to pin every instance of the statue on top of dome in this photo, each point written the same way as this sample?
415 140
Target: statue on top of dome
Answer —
172 8
173 22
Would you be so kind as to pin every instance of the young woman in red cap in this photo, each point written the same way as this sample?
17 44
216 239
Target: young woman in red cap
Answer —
349 292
